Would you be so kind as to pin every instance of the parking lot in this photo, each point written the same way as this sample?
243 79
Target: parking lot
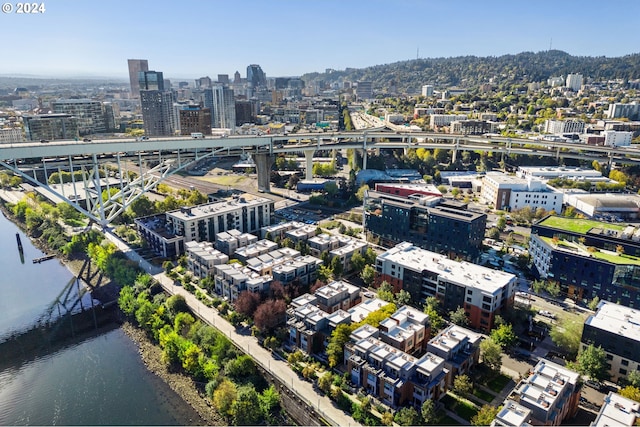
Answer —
295 213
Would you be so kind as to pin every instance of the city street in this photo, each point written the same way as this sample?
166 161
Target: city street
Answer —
279 368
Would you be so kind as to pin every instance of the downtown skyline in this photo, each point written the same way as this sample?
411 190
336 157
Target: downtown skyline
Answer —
194 38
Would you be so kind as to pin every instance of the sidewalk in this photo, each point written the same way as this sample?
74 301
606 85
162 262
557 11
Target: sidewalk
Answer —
278 368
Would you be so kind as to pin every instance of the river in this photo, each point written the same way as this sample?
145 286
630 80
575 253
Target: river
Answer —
96 381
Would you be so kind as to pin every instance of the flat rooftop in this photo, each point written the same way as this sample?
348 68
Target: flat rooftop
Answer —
217 208
621 320
462 272
578 225
617 411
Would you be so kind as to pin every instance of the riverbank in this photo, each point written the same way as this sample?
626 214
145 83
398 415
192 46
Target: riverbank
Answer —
184 386
104 289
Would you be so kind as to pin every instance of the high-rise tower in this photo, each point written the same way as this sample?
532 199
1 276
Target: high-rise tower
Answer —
156 103
135 66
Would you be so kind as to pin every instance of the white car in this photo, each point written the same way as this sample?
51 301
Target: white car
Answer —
546 313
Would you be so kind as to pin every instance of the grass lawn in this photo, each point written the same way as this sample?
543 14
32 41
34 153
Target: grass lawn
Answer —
579 225
464 408
483 394
497 383
229 180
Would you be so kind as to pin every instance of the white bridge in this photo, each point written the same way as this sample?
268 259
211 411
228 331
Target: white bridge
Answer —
158 158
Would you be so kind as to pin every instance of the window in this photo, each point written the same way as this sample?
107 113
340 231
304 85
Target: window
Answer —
623 371
624 362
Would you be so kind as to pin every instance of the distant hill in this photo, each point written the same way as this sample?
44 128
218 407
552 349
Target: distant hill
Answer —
471 71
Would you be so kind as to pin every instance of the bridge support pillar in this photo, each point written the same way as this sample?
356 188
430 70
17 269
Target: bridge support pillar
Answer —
308 157
263 170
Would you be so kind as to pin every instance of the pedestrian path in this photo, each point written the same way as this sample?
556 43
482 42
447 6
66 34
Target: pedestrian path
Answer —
278 368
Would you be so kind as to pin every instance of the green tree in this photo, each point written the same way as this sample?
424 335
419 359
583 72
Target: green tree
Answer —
566 334
407 416
459 317
462 385
402 298
501 223
361 192
127 301
504 336
592 362
246 408
431 310
368 274
485 415
269 401
428 412
339 337
633 378
325 381
553 288
385 292
224 397
593 304
358 261
491 354
337 267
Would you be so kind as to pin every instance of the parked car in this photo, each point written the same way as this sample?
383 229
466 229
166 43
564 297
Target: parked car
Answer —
546 313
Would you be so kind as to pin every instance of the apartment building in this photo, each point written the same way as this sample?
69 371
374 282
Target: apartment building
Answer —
204 222
550 392
230 241
337 295
305 325
406 190
512 414
157 233
617 410
436 120
301 269
630 111
278 230
345 252
11 135
482 292
261 247
616 329
264 264
393 376
472 127
325 243
232 279
90 114
509 192
301 234
50 126
614 138
407 330
458 346
202 257
588 258
446 228
563 126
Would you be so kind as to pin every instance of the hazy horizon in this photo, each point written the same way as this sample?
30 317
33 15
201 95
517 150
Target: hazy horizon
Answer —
195 38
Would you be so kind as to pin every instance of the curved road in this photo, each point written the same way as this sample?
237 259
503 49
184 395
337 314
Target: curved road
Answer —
278 368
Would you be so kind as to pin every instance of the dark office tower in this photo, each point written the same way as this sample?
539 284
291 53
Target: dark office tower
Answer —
157 104
236 77
195 119
255 76
244 112
135 66
223 78
151 80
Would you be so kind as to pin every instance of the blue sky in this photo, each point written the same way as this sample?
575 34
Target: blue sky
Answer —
193 38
